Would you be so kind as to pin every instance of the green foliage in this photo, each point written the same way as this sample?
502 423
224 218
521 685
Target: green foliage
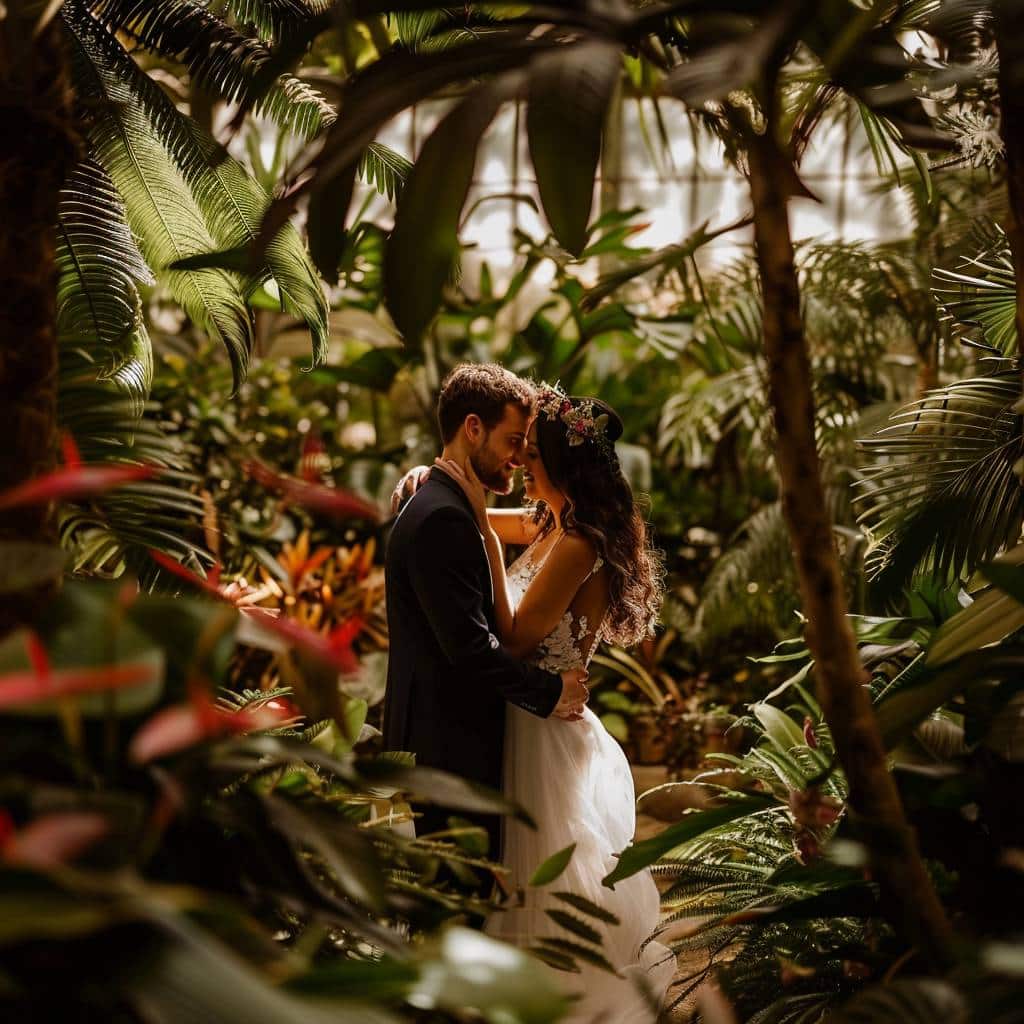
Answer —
223 860
941 494
220 58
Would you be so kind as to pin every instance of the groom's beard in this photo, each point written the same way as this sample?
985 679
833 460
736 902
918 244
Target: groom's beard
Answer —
492 471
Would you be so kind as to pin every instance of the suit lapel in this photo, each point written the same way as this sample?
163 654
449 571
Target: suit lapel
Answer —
439 476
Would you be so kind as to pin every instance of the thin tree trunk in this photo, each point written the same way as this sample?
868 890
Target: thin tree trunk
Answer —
1009 35
874 800
37 150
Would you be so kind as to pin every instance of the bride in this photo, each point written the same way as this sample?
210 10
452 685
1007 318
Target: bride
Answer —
588 574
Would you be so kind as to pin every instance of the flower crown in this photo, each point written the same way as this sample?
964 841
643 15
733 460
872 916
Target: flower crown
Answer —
580 422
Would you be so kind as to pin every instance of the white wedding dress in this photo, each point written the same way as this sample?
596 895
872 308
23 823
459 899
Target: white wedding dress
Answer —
575 781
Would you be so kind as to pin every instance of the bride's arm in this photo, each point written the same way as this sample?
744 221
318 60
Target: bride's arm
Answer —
547 598
513 525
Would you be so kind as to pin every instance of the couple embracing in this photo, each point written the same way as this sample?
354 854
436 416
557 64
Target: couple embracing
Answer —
487 669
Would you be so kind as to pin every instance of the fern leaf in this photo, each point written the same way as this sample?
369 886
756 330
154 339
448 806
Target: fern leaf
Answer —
275 20
98 261
574 925
228 64
585 906
162 211
385 169
577 952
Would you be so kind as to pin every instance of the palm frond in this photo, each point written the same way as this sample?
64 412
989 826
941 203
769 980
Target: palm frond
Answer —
234 204
385 169
706 409
413 27
275 20
98 261
981 294
162 211
940 493
113 533
227 63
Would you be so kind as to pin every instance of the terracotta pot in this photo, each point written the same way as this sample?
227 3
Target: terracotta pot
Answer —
648 738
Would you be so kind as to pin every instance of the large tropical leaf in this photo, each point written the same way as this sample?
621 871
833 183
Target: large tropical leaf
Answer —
569 93
115 532
98 260
157 153
981 294
162 212
940 492
235 203
376 94
425 240
275 20
227 63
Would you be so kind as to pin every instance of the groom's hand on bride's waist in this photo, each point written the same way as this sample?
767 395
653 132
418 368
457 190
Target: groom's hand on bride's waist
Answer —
574 695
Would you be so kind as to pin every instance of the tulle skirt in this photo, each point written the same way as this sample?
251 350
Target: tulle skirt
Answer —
575 781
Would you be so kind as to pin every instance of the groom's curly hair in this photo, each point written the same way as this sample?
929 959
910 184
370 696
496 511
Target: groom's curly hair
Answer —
483 389
600 505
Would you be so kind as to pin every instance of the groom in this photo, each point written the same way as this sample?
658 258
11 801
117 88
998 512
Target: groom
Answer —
448 676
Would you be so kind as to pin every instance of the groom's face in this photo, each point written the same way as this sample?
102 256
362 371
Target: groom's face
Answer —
500 452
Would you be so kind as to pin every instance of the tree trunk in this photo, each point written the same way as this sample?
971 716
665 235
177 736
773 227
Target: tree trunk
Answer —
874 800
1009 34
37 150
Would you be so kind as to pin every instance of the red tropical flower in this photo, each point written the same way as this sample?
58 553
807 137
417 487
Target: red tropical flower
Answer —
43 682
73 480
335 648
184 725
316 497
50 840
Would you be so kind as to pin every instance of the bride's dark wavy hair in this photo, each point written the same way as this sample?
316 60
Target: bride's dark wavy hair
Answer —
600 505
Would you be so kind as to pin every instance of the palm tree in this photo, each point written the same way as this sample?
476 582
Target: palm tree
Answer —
38 147
107 186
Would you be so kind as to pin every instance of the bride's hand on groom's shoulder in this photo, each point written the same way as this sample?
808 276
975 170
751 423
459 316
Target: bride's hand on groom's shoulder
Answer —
467 479
410 483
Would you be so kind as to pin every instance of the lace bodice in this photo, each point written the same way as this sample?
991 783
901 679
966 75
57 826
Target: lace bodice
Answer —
571 643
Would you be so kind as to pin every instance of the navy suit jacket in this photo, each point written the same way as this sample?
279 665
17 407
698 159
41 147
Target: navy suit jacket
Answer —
448 676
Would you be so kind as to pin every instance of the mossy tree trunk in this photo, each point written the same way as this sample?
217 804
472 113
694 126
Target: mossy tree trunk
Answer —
37 151
874 800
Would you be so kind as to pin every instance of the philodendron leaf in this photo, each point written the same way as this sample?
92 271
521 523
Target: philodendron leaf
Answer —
425 241
568 98
553 866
